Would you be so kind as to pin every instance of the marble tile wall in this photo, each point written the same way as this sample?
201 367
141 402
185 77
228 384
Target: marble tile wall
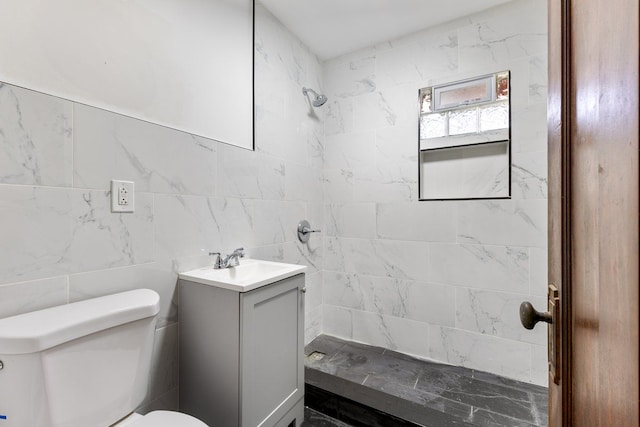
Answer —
433 279
437 279
62 244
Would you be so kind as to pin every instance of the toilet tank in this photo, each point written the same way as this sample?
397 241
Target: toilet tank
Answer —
84 364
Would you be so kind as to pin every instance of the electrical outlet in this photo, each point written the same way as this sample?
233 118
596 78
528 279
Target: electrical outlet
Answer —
122 196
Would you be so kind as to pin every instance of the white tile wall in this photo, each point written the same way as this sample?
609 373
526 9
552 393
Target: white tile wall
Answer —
351 220
52 231
503 268
390 296
23 297
62 244
36 138
434 279
504 222
496 313
157 159
451 274
481 351
429 222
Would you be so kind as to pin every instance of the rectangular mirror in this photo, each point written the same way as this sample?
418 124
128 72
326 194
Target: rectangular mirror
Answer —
465 139
184 64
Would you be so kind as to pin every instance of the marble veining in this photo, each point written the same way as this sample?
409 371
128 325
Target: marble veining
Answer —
505 357
53 231
486 266
193 195
376 108
538 79
338 116
109 145
490 40
529 175
387 258
433 279
350 151
414 58
36 138
504 222
351 220
351 78
389 296
445 395
497 313
338 186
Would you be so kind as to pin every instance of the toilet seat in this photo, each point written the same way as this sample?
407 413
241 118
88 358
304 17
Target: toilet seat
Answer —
167 419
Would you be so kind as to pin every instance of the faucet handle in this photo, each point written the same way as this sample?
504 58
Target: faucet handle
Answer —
240 252
218 260
208 252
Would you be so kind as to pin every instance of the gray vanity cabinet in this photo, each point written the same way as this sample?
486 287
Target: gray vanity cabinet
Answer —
241 354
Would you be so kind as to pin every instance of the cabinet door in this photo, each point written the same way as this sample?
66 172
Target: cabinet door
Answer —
271 348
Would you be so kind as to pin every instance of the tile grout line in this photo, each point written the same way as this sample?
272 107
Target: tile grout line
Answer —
485 410
365 379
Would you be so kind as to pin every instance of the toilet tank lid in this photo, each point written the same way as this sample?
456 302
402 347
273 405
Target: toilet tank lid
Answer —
43 329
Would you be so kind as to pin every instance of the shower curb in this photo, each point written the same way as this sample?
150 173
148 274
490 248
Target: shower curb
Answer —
361 406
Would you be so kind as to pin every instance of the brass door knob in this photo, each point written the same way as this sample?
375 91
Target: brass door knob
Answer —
529 316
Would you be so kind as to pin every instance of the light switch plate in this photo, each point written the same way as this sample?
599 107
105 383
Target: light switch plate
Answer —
122 196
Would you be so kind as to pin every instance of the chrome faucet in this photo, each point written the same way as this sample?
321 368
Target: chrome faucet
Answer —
231 260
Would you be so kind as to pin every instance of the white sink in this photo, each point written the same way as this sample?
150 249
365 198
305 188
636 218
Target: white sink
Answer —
250 274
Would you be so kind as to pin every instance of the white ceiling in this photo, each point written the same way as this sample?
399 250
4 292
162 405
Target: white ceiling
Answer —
334 27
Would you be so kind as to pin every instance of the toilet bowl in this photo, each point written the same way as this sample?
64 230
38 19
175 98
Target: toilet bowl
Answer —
160 419
84 364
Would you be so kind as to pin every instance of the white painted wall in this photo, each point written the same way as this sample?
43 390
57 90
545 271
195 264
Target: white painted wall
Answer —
437 279
182 64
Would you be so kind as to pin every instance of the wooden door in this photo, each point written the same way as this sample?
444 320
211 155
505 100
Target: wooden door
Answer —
593 210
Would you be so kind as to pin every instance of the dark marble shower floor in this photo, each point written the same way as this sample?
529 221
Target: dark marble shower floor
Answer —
360 385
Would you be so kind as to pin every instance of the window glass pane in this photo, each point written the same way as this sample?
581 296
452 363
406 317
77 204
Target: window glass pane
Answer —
433 125
425 100
494 116
502 85
464 94
463 121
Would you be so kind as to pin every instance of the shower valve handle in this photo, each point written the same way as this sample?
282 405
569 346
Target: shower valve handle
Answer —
304 231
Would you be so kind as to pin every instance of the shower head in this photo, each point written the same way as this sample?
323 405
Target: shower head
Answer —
318 100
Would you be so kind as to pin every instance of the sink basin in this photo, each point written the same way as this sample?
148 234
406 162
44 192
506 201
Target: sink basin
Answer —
250 274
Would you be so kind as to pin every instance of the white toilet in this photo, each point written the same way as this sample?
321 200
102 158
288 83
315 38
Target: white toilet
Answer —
84 364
